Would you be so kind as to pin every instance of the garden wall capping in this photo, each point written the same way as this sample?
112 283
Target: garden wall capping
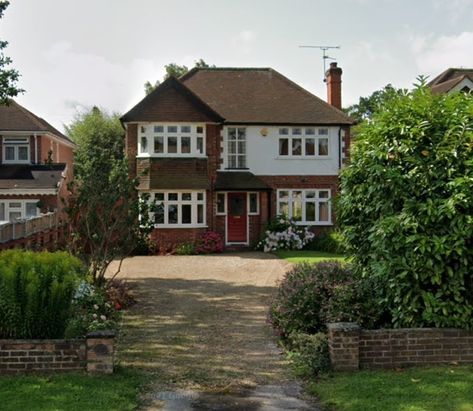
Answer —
352 348
94 353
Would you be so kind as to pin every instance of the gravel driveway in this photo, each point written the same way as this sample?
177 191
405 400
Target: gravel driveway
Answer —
200 329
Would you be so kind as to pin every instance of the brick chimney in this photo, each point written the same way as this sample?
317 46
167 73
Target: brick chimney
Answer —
333 78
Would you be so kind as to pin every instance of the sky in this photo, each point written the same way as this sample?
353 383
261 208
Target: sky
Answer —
73 54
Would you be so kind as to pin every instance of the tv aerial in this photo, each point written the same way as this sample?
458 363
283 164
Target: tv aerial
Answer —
325 56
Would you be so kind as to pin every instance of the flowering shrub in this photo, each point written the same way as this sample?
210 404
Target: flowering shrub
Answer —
92 311
208 243
284 234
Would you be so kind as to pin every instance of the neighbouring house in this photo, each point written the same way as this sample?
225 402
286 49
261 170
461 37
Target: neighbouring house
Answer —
35 164
451 80
227 149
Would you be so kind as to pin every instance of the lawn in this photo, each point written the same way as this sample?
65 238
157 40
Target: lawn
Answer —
308 256
71 391
416 389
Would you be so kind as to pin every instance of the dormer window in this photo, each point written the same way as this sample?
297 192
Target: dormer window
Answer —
16 150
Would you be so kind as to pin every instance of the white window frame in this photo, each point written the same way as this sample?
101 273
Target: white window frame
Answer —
237 153
289 134
21 209
257 203
194 202
317 200
148 132
16 143
224 203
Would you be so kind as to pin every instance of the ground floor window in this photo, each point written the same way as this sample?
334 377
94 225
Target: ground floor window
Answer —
12 210
308 206
178 208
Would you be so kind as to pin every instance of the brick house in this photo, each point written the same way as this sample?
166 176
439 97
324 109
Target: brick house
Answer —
226 149
35 164
451 80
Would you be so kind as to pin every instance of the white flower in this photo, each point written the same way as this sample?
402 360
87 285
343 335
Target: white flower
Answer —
96 307
94 315
103 318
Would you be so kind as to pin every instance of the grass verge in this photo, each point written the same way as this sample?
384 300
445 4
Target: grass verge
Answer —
308 256
416 389
72 391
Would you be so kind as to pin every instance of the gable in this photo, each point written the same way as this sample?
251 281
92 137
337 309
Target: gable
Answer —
171 102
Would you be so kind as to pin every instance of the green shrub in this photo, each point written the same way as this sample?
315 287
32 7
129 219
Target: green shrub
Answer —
309 353
35 293
185 249
312 295
331 242
406 207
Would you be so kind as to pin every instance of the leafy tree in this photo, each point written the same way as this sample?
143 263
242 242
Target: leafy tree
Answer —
8 76
175 70
367 106
103 208
406 207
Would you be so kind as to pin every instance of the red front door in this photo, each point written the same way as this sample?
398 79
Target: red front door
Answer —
237 218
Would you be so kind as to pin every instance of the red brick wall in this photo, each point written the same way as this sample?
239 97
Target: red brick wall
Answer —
352 348
167 239
131 147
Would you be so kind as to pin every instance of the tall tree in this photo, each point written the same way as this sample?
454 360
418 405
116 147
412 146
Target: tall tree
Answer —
175 70
367 106
103 207
8 76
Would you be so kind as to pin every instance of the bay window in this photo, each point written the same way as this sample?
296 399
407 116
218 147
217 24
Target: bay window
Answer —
307 142
172 140
177 209
308 206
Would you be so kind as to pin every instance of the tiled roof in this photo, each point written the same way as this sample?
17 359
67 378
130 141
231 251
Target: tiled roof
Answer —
448 79
31 176
236 95
260 95
14 117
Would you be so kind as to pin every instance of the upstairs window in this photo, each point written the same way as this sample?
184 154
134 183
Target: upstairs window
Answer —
236 147
172 140
303 142
16 150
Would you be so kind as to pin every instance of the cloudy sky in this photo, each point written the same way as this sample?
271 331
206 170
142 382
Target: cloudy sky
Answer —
73 54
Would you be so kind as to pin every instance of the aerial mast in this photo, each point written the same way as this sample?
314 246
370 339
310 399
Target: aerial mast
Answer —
325 57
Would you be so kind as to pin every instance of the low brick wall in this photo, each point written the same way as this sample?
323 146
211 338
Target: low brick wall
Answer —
352 348
94 354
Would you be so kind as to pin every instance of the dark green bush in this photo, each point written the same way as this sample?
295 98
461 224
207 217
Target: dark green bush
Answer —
406 207
35 293
309 353
331 242
311 295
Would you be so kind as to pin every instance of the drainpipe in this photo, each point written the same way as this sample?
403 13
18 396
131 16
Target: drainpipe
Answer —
339 148
35 148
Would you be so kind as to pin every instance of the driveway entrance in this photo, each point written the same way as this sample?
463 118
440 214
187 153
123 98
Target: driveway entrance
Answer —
200 328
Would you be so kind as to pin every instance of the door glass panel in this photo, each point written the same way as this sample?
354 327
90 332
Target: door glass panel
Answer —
237 205
220 203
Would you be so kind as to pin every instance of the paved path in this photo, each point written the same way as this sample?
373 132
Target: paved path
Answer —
200 329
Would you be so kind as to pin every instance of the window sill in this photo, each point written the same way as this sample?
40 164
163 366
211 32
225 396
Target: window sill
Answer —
314 224
184 226
236 169
16 162
305 158
170 156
